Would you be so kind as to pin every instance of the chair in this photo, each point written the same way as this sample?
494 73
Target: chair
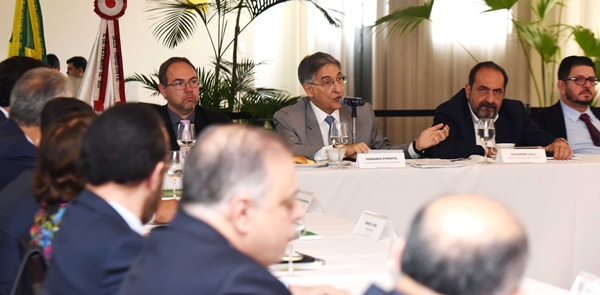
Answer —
31 272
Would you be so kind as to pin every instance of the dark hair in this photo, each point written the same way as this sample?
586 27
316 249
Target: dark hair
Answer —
492 268
11 69
162 71
123 145
571 61
310 65
487 65
53 61
33 91
228 160
60 107
78 62
57 177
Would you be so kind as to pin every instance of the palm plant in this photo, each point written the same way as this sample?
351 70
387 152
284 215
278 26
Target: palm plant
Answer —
229 85
587 41
536 35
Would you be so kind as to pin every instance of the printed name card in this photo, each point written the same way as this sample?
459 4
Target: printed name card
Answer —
309 202
521 156
585 284
381 160
374 226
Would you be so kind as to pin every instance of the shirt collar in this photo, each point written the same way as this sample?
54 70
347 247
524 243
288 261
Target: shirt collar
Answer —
175 119
320 115
132 220
4 112
573 114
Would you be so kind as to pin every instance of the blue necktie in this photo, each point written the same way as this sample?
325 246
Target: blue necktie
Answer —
329 121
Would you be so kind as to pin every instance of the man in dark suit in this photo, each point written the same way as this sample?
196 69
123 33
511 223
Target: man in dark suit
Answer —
180 86
483 97
20 134
234 220
11 69
304 125
461 245
576 81
123 161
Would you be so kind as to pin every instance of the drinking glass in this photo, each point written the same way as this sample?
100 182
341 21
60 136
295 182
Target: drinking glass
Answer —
486 132
338 136
186 137
175 170
299 231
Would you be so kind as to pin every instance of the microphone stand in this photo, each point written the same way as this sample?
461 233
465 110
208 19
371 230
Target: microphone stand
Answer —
353 123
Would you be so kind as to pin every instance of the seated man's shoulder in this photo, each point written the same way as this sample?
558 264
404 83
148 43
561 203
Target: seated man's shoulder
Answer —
296 107
374 290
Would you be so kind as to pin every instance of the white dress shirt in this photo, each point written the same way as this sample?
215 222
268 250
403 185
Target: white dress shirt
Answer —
132 220
577 132
492 142
321 154
4 112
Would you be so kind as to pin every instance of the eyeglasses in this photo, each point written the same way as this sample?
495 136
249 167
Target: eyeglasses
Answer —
328 84
581 80
180 85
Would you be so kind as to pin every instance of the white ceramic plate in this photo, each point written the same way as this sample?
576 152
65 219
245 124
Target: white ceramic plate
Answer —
308 166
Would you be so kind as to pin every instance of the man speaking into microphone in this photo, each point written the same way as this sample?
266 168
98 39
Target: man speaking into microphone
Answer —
305 125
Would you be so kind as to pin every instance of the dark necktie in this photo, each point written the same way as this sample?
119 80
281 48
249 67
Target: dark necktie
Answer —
594 133
329 119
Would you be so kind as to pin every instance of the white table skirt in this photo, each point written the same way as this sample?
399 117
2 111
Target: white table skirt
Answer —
558 203
354 263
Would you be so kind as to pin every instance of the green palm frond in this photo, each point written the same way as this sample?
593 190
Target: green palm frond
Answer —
544 7
407 19
542 39
150 82
335 21
586 39
262 103
500 4
176 20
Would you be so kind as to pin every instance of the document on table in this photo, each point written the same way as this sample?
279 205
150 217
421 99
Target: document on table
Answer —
434 163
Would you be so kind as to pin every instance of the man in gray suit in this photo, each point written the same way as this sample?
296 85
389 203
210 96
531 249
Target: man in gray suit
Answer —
305 124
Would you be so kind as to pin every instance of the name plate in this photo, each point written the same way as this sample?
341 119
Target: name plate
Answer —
585 284
381 160
374 226
309 202
522 155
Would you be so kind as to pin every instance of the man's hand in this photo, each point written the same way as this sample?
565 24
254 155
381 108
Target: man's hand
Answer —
432 136
561 149
317 290
357 148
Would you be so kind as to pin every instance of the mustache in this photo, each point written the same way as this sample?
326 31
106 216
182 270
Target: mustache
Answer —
487 105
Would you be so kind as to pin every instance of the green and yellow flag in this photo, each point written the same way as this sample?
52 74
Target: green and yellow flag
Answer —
28 31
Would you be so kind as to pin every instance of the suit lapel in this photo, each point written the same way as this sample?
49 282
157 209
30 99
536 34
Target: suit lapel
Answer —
313 132
468 120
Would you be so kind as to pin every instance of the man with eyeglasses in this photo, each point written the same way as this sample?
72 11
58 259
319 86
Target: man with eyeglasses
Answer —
572 117
305 125
483 97
180 86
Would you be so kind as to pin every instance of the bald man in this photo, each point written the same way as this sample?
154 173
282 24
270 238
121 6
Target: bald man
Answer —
462 245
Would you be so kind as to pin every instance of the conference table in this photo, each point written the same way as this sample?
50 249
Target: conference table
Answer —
354 262
557 202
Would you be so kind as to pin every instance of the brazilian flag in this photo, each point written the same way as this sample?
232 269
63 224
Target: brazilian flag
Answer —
28 31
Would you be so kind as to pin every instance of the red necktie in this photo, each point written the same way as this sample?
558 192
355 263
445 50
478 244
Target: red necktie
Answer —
594 133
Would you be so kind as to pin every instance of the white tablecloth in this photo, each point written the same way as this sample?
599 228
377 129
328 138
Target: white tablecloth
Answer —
354 263
558 202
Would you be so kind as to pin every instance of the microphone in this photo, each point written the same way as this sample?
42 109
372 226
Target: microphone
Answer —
352 101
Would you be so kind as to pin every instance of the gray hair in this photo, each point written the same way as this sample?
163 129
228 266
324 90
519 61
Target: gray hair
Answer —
467 268
310 65
229 160
33 90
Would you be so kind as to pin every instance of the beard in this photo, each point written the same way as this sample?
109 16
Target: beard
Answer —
572 98
151 205
478 111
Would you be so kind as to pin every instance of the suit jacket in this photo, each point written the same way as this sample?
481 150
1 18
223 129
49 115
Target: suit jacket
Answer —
190 257
16 153
202 119
297 125
17 208
2 117
513 126
552 119
93 249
